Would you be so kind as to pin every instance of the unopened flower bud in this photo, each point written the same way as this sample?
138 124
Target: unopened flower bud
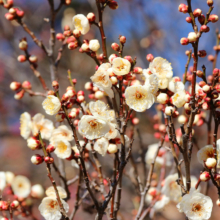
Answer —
37 159
138 70
14 204
217 103
163 98
99 95
169 110
15 86
21 58
135 121
204 28
114 80
211 163
129 58
19 95
182 119
91 17
209 3
33 143
88 86
26 85
122 39
218 202
206 88
205 176
80 98
115 47
184 41
72 115
37 191
183 8
150 57
9 16
48 160
55 85
112 148
197 12
76 33
60 117
187 106
113 5
50 148
215 72
192 37
205 106
85 47
23 45
33 59
211 58
60 37
201 53
201 19
72 45
213 18
4 206
188 19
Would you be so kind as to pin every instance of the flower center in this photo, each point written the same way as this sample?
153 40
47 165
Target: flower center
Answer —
139 95
93 124
196 207
62 147
53 204
78 24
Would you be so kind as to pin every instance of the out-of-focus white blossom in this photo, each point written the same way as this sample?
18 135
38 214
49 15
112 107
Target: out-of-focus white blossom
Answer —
63 148
161 67
62 132
161 203
93 127
45 126
151 82
101 146
9 177
51 105
121 66
139 98
37 191
50 210
81 23
196 206
2 180
50 192
25 125
21 186
94 45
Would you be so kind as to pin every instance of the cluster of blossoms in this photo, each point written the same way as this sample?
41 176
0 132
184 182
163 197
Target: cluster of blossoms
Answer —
102 127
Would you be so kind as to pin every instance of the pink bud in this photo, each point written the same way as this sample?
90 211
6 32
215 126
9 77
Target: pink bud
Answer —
23 45
184 41
201 19
91 17
197 12
135 121
33 59
113 5
201 53
67 33
26 85
37 159
209 3
76 33
76 122
21 58
73 45
122 39
50 148
19 95
60 37
211 58
55 84
189 19
68 2
80 98
19 13
49 160
74 81
150 57
9 16
115 47
215 72
15 86
199 73
88 86
204 28
138 70
205 176
213 18
14 204
129 58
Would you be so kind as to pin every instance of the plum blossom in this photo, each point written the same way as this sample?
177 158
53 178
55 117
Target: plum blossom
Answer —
61 132
51 105
2 181
151 82
45 126
139 98
50 192
101 146
50 210
161 67
102 81
93 127
81 23
63 148
94 45
25 125
121 66
195 205
179 99
21 186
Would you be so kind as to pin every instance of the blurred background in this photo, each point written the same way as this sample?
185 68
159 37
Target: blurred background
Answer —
153 26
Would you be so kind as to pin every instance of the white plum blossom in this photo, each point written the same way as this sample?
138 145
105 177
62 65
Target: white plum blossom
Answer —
2 180
196 206
50 210
175 85
162 98
102 81
101 146
161 67
21 186
9 177
113 132
51 105
93 127
207 152
50 192
37 191
94 45
161 203
62 148
139 98
179 99
121 66
151 82
45 126
163 83
81 23
25 125
62 132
